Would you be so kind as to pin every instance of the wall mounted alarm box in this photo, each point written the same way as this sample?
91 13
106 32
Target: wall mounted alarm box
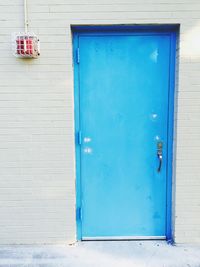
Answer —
26 45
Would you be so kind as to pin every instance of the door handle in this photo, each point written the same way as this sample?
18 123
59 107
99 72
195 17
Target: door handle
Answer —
160 155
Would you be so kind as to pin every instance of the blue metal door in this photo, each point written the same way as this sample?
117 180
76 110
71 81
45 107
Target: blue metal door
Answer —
122 134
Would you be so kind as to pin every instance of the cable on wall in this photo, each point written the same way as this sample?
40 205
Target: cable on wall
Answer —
26 16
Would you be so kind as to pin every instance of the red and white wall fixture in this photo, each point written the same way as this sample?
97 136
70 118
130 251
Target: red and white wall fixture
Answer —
25 44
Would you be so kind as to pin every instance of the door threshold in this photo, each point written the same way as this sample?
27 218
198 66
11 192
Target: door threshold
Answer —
123 238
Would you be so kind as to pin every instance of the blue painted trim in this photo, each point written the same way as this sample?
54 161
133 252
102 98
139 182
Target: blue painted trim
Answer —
76 133
172 69
126 30
85 29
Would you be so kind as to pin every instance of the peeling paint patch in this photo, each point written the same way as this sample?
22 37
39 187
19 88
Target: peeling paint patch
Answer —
154 56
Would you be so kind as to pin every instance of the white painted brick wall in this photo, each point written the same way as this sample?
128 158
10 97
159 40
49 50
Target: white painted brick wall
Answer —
37 174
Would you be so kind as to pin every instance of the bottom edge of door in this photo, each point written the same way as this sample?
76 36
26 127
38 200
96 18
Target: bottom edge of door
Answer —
123 238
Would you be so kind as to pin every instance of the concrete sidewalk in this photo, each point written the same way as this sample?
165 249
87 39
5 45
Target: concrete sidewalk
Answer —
101 254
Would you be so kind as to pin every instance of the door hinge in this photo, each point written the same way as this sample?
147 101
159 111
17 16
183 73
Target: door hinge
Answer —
79 214
78 55
79 138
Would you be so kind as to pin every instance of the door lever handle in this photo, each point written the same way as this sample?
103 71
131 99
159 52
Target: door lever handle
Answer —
160 162
160 156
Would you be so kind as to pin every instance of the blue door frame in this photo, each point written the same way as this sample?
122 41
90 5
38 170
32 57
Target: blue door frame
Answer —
125 30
